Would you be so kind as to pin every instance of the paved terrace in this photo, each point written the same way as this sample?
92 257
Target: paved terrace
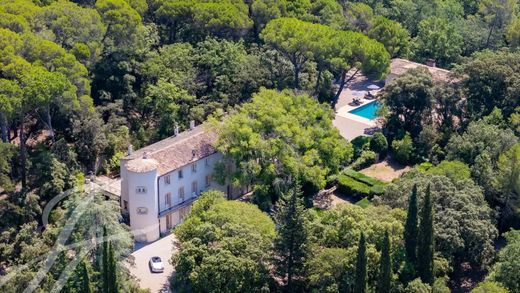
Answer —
349 125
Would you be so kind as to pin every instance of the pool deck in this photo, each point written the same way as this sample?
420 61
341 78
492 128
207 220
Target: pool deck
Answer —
350 125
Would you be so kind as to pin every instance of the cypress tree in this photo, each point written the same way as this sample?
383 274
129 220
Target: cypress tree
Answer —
290 245
85 279
360 284
410 229
425 242
105 262
385 267
113 284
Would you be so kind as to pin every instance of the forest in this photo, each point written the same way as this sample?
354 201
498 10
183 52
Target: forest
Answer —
82 80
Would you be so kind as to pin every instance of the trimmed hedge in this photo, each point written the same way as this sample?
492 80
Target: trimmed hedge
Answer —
363 178
358 184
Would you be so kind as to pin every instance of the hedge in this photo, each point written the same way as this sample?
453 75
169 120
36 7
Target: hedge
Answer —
358 184
363 178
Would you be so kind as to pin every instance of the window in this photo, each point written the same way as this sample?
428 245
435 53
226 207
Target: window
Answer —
167 179
194 187
208 180
194 167
180 174
142 211
207 162
125 205
181 194
183 212
140 189
169 221
168 199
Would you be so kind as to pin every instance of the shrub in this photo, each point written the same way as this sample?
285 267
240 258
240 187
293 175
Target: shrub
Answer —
351 186
379 144
366 159
360 144
363 178
454 170
358 184
403 149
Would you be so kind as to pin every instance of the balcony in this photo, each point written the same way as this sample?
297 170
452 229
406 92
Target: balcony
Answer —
178 206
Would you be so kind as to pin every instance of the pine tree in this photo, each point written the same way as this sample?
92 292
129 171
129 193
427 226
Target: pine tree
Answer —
85 279
425 248
113 284
360 284
105 262
410 229
290 245
385 267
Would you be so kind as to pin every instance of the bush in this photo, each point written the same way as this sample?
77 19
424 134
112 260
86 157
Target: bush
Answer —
403 149
358 184
366 159
379 144
360 144
363 178
351 186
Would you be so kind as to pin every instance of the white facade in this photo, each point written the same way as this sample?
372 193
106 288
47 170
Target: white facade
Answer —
157 203
178 189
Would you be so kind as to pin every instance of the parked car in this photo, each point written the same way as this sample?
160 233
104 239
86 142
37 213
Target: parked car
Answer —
156 265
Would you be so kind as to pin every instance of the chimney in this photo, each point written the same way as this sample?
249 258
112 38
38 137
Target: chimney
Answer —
193 153
431 63
130 149
176 130
145 155
192 124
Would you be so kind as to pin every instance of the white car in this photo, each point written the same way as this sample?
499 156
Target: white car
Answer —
156 265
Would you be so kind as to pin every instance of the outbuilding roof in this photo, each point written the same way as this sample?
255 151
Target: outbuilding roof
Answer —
177 151
400 66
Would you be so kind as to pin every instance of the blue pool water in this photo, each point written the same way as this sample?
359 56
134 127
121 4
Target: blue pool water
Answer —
367 111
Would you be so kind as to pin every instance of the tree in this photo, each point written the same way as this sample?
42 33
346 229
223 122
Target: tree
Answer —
411 230
491 79
85 278
403 149
302 41
296 39
409 101
498 15
425 247
508 264
463 221
513 34
105 262
379 144
7 153
332 267
360 286
121 22
391 34
385 270
113 280
224 247
507 182
438 39
489 287
454 170
291 246
278 137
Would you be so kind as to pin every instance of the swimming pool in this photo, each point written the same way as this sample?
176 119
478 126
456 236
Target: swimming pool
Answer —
367 111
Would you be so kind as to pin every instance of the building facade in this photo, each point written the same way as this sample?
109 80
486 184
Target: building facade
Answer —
160 182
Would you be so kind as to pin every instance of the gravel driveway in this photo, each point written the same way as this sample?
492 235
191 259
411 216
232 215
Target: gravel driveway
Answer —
163 248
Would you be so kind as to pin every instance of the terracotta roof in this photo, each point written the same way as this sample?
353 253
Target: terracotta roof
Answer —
177 151
401 66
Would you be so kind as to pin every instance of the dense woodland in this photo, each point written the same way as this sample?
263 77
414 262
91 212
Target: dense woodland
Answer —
81 80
